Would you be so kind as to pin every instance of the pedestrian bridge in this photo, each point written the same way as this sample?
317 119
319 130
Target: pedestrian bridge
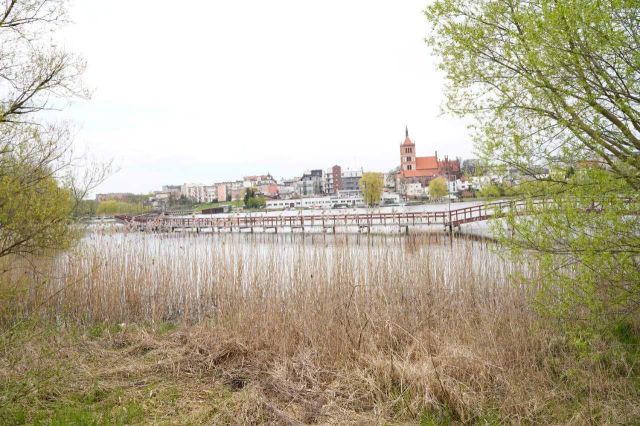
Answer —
327 221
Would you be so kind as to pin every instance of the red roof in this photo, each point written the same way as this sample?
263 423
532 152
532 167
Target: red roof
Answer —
427 163
425 166
270 190
430 166
407 141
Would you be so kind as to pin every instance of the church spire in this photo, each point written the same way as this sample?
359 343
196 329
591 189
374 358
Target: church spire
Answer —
406 131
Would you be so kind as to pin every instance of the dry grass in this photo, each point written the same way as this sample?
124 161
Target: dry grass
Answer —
309 330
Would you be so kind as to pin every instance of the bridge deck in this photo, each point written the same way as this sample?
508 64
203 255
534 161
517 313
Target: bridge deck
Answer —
448 219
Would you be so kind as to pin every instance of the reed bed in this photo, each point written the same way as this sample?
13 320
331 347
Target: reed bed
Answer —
335 329
142 277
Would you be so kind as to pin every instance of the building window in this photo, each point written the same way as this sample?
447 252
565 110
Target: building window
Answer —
409 167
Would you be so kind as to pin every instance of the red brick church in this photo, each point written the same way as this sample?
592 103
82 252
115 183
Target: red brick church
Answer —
423 169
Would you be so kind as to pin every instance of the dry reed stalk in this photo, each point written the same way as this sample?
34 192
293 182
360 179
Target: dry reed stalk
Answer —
318 328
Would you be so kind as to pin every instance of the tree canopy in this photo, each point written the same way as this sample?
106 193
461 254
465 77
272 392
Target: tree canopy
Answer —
548 81
371 184
33 217
113 207
555 85
252 200
438 188
38 185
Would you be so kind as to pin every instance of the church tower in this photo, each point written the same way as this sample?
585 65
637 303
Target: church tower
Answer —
407 153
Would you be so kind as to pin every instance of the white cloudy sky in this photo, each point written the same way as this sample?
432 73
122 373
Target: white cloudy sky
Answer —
204 91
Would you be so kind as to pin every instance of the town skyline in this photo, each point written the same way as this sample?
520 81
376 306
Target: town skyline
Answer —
398 170
229 91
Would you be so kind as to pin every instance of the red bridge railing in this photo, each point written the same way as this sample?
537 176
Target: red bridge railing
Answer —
448 218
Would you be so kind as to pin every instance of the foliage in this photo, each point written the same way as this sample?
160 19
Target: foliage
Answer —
491 191
34 217
548 82
248 194
555 85
237 203
258 202
471 167
252 200
113 207
371 184
178 202
39 186
86 208
586 245
438 188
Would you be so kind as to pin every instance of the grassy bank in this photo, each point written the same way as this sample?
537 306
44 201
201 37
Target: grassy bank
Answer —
288 331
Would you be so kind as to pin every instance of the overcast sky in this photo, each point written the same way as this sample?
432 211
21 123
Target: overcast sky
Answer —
207 91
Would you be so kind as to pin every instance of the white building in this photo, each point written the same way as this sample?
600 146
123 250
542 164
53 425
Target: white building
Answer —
463 184
390 198
414 190
316 202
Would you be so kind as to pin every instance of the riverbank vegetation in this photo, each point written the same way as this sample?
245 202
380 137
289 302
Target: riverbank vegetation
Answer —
113 207
555 86
231 204
347 330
